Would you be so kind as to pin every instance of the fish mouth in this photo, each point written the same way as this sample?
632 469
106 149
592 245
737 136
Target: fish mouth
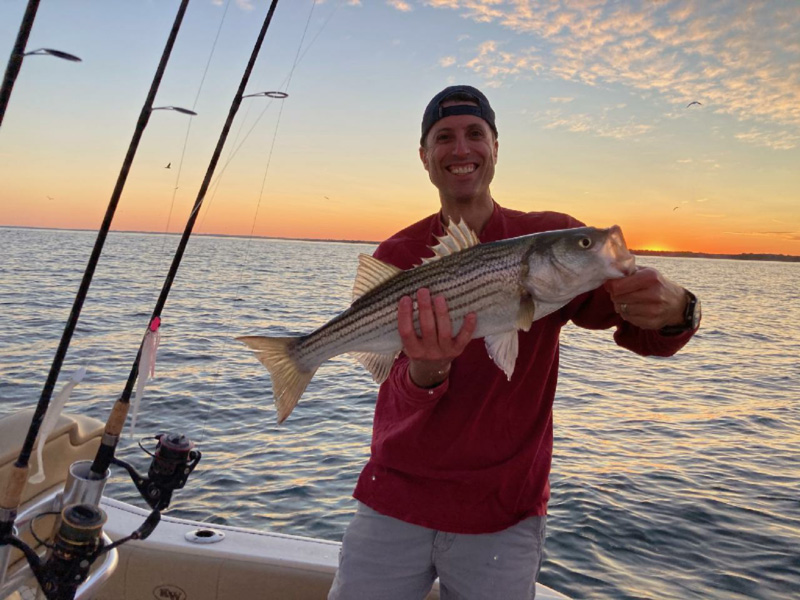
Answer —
621 258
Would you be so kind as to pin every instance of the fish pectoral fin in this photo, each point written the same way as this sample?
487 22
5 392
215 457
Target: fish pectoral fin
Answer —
527 312
371 273
503 349
377 364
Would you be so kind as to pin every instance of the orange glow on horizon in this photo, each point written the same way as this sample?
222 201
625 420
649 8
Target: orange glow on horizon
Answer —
655 247
358 219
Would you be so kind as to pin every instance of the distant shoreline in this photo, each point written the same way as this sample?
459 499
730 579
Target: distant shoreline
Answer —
666 253
743 256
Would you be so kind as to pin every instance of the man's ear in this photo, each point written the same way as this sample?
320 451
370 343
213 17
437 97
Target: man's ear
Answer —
496 149
423 156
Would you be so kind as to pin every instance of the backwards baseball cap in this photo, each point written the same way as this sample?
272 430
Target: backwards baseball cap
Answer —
435 111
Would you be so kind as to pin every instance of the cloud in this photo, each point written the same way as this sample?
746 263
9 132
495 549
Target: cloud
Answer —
740 59
447 61
444 3
561 100
793 236
603 125
400 5
777 140
496 64
243 4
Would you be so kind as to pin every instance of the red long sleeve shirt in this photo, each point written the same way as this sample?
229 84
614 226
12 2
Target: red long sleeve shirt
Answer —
473 454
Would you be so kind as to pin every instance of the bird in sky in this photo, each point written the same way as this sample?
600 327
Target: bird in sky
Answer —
694 102
50 198
676 208
168 165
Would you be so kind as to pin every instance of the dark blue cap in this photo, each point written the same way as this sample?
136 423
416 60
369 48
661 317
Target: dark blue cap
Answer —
435 111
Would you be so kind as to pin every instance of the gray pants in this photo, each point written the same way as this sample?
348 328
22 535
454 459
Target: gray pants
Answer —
386 559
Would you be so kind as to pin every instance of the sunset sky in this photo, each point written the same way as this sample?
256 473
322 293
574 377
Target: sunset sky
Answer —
591 100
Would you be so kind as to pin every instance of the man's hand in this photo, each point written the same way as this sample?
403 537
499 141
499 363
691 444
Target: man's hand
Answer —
647 299
431 352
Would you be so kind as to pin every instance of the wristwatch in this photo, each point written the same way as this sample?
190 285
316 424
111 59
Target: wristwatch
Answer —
691 317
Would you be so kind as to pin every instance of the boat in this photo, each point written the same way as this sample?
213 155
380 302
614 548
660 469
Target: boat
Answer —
166 557
182 559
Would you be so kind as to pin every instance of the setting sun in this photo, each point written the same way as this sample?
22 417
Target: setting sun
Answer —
655 247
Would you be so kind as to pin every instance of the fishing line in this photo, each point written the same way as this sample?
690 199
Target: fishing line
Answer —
115 424
96 349
93 352
238 289
161 254
235 145
248 245
283 86
275 133
191 120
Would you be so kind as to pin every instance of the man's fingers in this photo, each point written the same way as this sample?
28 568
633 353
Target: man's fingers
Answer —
405 323
642 279
443 326
467 329
434 339
427 320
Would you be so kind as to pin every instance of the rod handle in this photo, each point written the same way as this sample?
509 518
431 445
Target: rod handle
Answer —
116 420
16 485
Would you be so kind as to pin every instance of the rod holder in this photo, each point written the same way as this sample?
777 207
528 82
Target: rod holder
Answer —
80 488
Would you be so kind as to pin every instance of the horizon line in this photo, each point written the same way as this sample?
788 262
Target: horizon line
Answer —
346 241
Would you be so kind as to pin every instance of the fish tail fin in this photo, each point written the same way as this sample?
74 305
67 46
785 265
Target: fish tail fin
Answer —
289 380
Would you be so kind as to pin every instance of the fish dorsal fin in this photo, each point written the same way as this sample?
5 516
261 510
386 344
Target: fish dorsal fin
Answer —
503 349
378 365
527 312
458 237
371 273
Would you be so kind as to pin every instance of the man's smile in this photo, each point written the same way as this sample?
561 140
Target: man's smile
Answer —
462 169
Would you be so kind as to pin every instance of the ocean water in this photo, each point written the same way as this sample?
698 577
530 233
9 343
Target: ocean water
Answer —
672 478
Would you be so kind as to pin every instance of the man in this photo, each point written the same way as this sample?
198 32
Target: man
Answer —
457 482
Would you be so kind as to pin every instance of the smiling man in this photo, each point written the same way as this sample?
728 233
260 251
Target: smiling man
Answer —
458 148
456 486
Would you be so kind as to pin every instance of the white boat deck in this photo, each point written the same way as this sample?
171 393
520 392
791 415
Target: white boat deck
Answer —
242 562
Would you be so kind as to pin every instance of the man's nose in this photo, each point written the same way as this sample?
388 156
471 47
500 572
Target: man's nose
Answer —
462 146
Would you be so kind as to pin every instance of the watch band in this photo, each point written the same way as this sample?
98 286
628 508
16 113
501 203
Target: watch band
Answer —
689 321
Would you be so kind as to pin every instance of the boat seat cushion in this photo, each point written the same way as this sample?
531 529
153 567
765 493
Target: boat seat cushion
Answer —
75 437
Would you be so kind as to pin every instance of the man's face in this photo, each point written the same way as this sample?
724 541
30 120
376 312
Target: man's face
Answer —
460 153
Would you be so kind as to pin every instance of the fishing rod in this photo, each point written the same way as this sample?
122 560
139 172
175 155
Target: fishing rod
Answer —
116 421
12 494
18 53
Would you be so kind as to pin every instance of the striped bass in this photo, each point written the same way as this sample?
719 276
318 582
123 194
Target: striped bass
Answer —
508 284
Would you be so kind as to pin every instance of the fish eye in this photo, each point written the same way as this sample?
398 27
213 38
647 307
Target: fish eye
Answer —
585 242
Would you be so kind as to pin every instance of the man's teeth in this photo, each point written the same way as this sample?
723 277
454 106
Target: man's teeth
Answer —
462 170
